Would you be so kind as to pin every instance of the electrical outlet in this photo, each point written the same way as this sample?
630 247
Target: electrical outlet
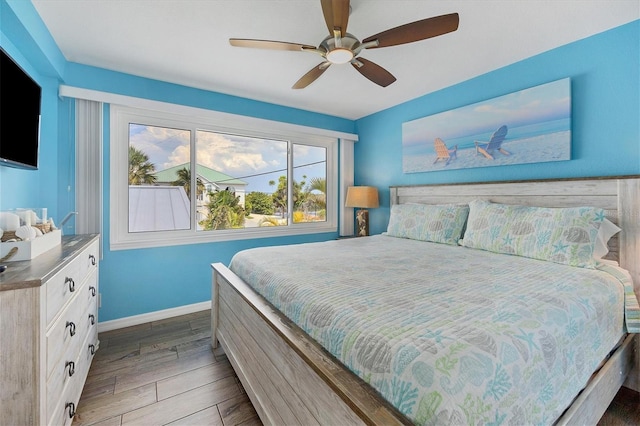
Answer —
99 300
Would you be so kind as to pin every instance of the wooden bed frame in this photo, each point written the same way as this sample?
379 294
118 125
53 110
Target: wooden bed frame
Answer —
290 379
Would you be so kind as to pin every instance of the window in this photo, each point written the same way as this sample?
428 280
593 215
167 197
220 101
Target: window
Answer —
249 181
158 189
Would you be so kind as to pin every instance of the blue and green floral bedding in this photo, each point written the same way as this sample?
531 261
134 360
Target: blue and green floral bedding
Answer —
447 334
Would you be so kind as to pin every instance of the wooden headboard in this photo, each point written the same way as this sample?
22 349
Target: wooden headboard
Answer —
618 196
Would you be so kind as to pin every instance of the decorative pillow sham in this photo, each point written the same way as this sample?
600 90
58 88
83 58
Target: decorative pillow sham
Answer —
424 222
560 235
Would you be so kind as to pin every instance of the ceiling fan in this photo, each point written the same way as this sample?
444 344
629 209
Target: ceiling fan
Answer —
340 47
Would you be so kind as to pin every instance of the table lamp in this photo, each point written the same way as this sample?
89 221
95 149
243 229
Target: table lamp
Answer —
363 198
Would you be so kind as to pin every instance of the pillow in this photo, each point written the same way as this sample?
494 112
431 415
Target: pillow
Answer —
607 230
560 235
434 223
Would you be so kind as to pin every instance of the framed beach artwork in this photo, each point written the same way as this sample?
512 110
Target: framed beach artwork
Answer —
529 126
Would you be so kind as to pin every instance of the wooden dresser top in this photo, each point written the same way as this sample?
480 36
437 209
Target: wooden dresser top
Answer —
34 272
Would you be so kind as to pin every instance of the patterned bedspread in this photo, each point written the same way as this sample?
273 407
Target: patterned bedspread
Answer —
448 335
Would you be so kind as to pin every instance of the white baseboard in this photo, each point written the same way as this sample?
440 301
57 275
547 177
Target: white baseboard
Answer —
152 316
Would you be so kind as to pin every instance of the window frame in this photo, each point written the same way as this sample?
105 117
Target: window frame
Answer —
121 116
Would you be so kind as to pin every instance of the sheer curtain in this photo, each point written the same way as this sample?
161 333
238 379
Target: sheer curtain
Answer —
88 167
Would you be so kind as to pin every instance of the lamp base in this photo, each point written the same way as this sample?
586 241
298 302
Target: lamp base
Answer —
362 220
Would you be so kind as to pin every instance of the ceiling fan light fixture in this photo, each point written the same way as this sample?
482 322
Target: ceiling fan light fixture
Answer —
340 56
340 47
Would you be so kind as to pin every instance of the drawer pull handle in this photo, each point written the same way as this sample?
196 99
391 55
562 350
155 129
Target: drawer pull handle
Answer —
92 349
92 319
72 409
72 328
92 258
72 284
92 289
72 367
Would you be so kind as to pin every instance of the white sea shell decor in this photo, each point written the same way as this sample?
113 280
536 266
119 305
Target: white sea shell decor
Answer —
9 221
1 232
38 232
26 232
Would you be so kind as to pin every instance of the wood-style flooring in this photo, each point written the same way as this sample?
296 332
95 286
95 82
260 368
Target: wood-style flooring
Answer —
160 373
624 409
165 372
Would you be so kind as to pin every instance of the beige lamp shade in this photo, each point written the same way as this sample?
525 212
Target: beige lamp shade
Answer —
364 197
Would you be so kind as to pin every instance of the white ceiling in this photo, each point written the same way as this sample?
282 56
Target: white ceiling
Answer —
186 42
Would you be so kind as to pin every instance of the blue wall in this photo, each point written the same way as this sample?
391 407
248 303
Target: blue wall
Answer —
27 188
605 85
139 281
606 140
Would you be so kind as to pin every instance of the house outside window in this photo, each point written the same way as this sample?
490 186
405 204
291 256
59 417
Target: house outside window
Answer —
249 182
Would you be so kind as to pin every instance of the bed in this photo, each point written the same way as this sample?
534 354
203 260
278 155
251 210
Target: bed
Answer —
481 359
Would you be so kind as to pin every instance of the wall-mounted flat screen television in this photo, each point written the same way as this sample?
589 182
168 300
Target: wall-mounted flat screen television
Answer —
19 115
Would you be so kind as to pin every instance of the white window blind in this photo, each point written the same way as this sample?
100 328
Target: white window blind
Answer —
88 167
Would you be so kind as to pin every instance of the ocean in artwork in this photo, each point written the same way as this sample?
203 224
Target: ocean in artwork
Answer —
538 129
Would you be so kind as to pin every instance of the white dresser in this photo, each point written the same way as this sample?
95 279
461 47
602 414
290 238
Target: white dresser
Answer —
48 332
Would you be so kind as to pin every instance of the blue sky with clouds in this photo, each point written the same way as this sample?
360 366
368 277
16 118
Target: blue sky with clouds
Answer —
548 102
256 161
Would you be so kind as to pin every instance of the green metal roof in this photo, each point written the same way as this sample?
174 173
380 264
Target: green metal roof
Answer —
204 173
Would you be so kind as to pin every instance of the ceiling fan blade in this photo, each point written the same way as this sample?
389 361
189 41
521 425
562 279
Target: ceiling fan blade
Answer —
336 15
373 72
311 76
269 44
416 31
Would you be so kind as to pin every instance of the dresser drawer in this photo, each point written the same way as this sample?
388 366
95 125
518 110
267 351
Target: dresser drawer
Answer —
71 327
64 389
88 259
62 287
90 294
65 283
61 416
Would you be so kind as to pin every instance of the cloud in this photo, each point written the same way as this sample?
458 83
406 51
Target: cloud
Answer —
180 155
235 155
164 146
239 156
